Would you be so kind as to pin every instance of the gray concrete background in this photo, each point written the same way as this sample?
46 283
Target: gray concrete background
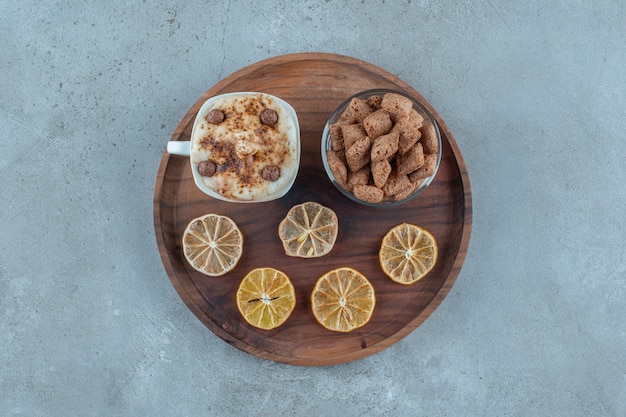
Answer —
535 95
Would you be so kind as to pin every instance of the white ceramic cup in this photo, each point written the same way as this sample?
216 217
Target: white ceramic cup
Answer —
185 148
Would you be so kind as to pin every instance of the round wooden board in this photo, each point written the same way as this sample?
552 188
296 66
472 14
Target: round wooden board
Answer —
314 84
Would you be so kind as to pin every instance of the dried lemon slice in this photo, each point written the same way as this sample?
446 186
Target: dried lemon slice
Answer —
266 298
212 244
343 300
407 253
309 230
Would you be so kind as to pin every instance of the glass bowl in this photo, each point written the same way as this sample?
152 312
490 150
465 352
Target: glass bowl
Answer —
363 104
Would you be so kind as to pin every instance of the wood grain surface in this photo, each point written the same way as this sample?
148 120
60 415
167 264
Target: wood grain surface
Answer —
314 84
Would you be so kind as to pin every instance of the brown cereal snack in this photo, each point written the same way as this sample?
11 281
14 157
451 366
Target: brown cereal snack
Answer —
409 134
397 105
396 183
269 117
375 102
351 133
377 124
429 138
358 155
270 173
428 169
410 161
380 172
415 118
215 116
336 137
207 168
337 167
369 193
359 109
385 146
346 118
407 192
360 177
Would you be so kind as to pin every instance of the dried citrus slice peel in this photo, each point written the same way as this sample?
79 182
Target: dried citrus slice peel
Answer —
212 244
266 298
343 300
309 230
407 253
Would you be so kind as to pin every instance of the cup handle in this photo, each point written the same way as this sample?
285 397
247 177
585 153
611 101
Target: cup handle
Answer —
179 148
